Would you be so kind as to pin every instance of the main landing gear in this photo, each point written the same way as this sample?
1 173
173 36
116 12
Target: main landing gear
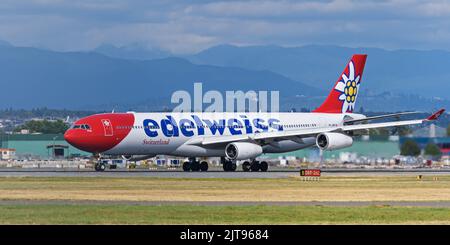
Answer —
194 165
228 165
255 166
99 165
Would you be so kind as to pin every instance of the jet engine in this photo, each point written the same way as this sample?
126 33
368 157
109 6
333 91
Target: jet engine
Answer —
134 158
242 150
333 141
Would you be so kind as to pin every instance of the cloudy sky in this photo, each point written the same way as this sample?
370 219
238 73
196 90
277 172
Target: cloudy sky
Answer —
186 26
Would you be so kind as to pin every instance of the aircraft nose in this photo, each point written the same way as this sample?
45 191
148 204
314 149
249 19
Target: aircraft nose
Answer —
79 140
85 141
70 137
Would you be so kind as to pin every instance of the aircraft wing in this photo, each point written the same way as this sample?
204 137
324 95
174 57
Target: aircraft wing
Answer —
267 136
316 131
351 121
210 140
381 125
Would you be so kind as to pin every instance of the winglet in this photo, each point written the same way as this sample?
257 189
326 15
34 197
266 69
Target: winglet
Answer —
435 115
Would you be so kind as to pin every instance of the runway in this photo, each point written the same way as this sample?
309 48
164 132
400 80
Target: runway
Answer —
434 204
114 188
213 174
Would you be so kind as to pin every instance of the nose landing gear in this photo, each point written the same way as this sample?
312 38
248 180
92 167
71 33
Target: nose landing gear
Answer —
99 166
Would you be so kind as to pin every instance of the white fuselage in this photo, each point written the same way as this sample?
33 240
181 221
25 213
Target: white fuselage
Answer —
170 133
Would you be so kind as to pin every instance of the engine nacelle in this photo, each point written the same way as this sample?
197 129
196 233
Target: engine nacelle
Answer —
136 157
242 150
333 141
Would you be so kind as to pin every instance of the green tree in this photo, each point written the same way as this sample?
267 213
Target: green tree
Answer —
42 113
448 130
410 148
404 130
432 150
379 132
45 127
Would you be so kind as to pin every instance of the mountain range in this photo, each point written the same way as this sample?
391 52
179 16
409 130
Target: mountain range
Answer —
421 72
424 73
34 77
133 51
138 78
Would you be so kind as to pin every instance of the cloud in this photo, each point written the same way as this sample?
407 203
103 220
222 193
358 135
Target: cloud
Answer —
268 8
177 40
435 9
189 26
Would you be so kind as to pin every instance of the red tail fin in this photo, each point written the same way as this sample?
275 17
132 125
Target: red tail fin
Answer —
342 97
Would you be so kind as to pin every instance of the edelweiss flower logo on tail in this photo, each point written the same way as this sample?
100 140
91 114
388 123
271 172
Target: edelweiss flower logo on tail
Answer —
344 92
349 87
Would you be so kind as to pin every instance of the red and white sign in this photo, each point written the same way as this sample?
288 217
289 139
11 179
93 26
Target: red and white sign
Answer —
107 126
310 172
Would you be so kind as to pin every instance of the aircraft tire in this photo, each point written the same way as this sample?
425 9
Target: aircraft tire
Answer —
195 166
100 167
226 166
263 166
229 166
246 166
203 166
186 166
233 167
255 166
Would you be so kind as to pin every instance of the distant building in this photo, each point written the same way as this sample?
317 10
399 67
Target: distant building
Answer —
24 131
430 131
362 147
58 151
7 153
39 145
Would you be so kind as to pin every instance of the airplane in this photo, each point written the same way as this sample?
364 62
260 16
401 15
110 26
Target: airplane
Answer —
233 136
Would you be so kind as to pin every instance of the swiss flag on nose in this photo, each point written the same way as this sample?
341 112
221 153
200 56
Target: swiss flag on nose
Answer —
107 126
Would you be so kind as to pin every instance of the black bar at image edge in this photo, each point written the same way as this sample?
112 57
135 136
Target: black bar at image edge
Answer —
225 234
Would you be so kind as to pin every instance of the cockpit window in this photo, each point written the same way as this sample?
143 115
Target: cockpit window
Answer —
82 126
